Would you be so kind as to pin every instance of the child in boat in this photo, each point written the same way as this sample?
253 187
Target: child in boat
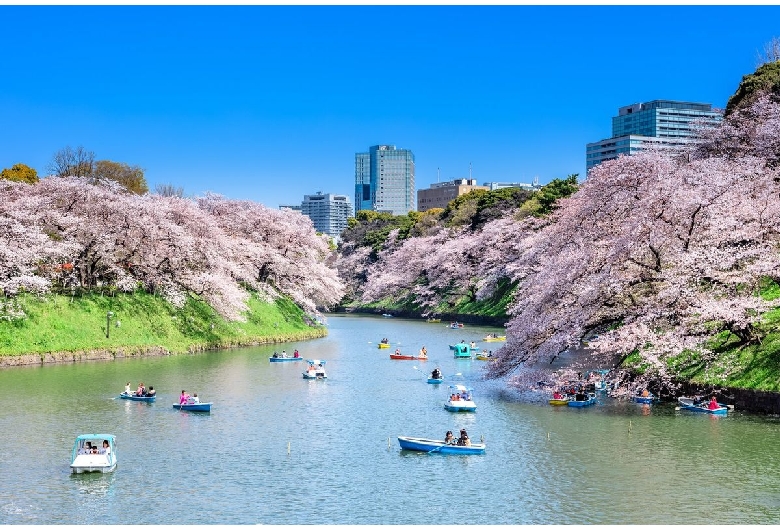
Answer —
713 404
151 391
127 388
184 397
449 438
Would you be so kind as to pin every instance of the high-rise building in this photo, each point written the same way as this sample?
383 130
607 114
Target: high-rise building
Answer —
440 194
328 212
660 123
384 180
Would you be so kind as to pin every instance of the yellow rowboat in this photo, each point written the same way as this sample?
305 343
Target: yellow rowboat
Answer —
501 338
485 358
383 345
434 320
559 402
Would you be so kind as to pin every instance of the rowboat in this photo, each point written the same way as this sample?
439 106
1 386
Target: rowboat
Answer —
133 397
456 325
695 405
193 407
435 380
582 400
559 400
433 320
85 461
383 345
387 315
399 357
460 400
284 359
495 338
482 357
315 372
648 399
426 445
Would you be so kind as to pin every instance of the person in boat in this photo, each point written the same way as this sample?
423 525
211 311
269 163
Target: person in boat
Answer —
86 449
106 448
464 396
473 344
398 351
284 354
275 355
384 341
455 397
194 400
141 389
713 404
296 354
127 389
464 438
423 352
436 374
557 395
184 397
449 439
152 392
93 449
645 393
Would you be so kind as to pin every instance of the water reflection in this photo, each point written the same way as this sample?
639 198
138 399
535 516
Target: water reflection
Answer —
332 444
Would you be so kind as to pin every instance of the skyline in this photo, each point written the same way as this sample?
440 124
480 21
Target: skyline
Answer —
271 103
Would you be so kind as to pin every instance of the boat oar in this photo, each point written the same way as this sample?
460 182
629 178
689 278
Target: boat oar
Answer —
435 449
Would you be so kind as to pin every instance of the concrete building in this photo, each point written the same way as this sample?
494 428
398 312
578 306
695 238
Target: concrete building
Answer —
384 180
664 124
440 194
328 212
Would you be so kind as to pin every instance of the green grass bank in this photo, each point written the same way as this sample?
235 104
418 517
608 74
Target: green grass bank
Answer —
61 328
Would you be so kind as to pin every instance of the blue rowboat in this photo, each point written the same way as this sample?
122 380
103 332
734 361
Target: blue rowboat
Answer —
284 359
193 407
133 397
687 403
426 445
578 401
435 381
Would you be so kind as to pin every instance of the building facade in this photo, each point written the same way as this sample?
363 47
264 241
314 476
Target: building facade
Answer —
384 180
440 194
328 212
664 124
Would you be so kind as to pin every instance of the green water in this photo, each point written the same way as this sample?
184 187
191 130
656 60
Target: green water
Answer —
278 449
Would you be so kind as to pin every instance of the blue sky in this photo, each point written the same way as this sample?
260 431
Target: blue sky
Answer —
270 103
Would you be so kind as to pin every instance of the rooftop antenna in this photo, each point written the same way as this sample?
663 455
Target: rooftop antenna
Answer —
469 170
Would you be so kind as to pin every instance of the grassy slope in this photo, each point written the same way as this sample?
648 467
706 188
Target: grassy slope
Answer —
62 323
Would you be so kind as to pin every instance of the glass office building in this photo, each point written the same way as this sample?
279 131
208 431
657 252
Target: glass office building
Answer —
663 124
384 180
328 212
